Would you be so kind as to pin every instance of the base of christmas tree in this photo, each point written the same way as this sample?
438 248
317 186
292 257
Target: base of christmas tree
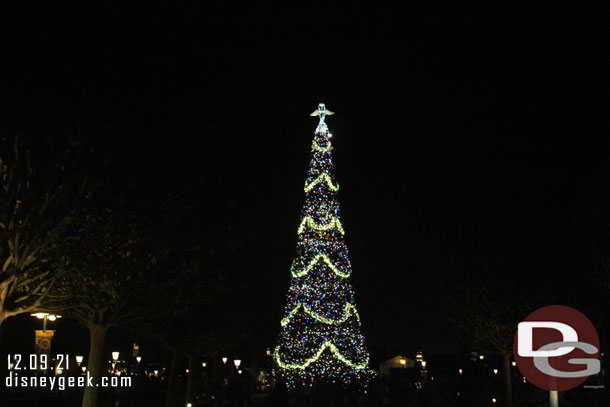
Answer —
326 373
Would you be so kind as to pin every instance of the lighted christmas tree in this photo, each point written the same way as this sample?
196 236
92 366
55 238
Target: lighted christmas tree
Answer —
320 337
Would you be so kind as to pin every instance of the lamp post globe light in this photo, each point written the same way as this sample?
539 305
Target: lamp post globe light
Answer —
45 316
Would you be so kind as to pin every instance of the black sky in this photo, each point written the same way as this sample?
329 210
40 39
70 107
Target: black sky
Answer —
454 123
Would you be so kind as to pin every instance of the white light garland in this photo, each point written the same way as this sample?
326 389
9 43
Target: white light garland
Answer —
322 178
309 222
315 261
348 310
317 147
327 344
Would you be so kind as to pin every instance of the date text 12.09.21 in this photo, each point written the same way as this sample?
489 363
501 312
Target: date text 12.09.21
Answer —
37 362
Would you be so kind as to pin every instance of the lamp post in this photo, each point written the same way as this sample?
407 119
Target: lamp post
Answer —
403 362
237 362
44 337
79 360
224 360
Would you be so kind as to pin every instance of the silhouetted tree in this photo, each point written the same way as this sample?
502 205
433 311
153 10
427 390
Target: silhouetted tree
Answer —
204 307
116 282
485 306
35 212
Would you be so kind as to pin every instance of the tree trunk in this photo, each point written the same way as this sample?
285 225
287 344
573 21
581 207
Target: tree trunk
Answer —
191 386
172 385
97 338
1 323
508 385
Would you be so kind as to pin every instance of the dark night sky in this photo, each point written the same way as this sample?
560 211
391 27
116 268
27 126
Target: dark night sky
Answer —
453 123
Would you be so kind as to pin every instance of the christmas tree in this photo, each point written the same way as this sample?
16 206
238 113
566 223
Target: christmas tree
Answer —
320 337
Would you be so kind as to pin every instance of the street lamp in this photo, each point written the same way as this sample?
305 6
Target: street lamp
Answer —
268 351
115 358
496 371
79 360
224 360
461 371
423 364
481 357
45 316
138 359
514 363
237 362
204 364
403 362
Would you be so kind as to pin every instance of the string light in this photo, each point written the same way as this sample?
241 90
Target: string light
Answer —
325 345
315 261
326 149
308 222
348 310
322 178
